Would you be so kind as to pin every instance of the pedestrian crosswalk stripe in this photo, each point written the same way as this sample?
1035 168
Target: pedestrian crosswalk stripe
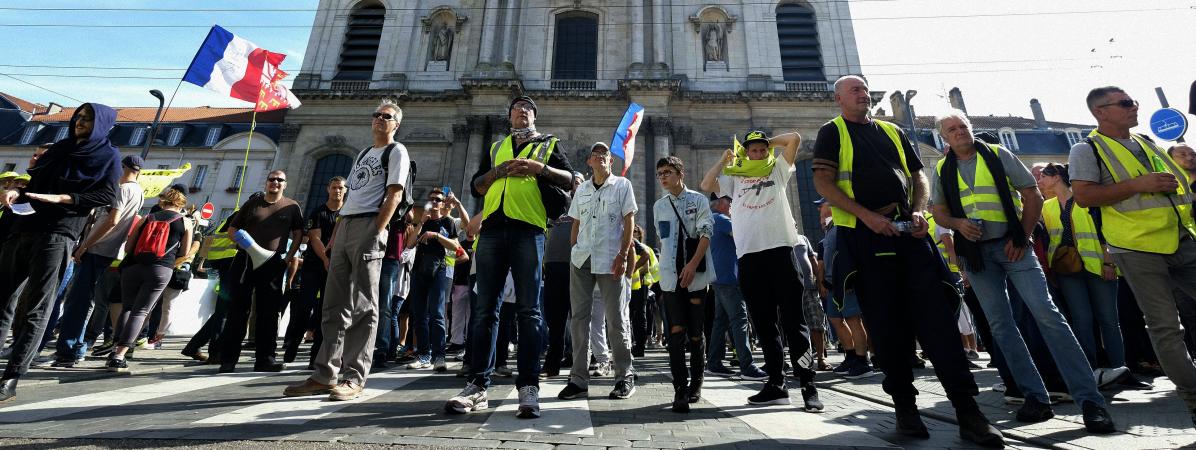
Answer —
300 410
788 424
557 416
37 411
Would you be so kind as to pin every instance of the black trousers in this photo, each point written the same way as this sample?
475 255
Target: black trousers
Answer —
305 309
40 259
680 311
639 319
899 282
262 285
773 292
209 333
556 312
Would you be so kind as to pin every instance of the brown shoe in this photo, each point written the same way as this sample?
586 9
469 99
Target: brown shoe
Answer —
307 387
346 390
198 356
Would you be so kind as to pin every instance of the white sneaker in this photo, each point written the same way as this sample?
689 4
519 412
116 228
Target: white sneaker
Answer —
602 370
419 363
999 387
472 398
529 402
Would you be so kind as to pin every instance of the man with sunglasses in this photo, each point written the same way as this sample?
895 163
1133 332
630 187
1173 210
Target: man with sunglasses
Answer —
349 317
437 239
1145 203
512 240
270 220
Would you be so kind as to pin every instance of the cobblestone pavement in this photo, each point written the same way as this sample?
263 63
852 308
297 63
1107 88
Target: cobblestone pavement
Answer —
168 402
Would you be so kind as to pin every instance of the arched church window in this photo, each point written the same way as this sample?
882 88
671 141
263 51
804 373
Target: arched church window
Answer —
575 56
335 165
361 42
797 32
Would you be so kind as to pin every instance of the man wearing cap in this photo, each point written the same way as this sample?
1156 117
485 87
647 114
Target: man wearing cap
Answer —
102 245
872 177
512 241
6 179
602 208
730 311
765 234
75 175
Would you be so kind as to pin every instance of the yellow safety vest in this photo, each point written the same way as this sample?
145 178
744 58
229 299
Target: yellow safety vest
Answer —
649 274
981 201
1084 228
934 235
1144 222
847 155
519 196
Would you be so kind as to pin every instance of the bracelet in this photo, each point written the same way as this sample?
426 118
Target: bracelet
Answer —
1108 265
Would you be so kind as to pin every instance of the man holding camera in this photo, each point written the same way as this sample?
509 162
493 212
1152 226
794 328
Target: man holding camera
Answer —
873 179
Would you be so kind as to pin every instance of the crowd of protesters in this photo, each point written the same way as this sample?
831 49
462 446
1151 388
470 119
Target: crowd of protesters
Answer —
1086 290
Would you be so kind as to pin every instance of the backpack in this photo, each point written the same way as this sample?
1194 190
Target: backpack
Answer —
408 200
155 234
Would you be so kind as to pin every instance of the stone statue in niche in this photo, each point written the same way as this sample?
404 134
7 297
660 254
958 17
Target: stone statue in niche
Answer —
442 43
712 44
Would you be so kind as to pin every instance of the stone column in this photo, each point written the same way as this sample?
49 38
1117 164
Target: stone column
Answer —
510 24
637 31
660 30
489 31
474 126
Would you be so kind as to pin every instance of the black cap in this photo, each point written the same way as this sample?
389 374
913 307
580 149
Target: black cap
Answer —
714 197
523 98
754 136
133 162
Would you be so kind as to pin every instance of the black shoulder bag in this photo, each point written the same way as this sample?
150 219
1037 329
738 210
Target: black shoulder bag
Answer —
690 244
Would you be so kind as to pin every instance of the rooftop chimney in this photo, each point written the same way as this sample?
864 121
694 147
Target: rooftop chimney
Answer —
1039 119
956 99
900 110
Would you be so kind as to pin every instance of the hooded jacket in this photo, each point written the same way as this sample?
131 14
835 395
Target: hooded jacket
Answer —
87 171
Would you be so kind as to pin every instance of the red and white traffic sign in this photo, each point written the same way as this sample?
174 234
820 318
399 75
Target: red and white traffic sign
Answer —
205 213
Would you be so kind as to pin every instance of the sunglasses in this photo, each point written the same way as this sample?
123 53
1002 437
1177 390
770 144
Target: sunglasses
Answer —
1125 103
436 200
383 116
277 180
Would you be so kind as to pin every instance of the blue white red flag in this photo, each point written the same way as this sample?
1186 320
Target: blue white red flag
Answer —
623 144
235 67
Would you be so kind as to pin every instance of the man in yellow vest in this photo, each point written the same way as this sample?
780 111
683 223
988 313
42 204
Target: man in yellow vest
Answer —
873 179
974 194
1146 217
512 241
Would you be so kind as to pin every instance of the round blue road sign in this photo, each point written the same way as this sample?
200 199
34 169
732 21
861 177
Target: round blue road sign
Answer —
1168 124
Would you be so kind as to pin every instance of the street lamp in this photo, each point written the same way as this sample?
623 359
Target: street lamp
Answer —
153 128
909 107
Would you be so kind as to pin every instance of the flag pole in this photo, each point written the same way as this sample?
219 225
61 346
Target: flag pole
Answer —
245 163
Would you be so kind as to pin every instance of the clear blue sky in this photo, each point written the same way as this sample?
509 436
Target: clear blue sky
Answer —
999 53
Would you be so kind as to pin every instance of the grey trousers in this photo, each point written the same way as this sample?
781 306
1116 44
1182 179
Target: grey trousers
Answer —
618 321
1152 277
350 311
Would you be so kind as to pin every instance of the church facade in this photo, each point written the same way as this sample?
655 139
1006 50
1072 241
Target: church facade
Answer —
703 71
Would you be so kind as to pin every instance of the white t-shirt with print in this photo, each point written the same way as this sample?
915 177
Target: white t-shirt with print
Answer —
365 183
760 215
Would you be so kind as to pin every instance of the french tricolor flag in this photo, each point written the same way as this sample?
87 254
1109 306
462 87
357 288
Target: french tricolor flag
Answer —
623 144
237 68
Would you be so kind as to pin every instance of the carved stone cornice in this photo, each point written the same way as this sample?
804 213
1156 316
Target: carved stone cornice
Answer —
290 132
578 95
682 135
661 125
476 124
670 84
460 132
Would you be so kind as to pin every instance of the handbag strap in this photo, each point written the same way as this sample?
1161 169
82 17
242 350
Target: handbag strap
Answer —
680 221
1068 237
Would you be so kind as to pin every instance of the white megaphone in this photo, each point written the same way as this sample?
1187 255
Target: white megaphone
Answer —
257 254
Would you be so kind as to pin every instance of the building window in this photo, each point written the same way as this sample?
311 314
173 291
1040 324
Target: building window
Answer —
938 139
810 224
212 137
201 174
30 132
138 136
360 50
176 135
236 182
575 55
797 32
62 131
337 165
1008 139
1073 137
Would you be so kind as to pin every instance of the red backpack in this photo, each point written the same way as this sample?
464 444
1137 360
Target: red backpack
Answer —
155 234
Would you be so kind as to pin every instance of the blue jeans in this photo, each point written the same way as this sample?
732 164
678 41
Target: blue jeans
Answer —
427 313
730 313
1092 301
1027 277
388 316
519 251
77 307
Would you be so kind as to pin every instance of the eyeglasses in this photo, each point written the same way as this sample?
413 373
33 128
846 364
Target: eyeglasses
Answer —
1124 103
665 173
435 200
383 116
277 180
523 106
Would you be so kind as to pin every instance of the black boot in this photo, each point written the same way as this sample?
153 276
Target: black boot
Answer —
8 390
680 399
695 390
909 422
975 428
